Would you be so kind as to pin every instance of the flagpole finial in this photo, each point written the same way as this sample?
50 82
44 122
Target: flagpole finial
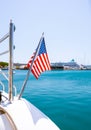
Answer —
43 34
10 20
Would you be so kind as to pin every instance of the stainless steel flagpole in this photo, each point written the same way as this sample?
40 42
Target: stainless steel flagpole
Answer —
12 29
28 73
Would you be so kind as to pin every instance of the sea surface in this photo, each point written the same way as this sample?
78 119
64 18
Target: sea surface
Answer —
64 96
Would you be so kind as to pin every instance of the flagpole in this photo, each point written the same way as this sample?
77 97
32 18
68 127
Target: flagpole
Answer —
28 73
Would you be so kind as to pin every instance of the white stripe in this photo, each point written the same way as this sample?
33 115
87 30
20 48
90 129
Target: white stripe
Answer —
35 72
29 64
39 67
42 57
47 61
36 68
41 63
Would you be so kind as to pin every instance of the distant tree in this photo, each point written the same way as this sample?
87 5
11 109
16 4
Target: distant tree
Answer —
3 64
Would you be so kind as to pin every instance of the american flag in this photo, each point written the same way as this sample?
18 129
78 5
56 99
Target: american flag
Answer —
39 60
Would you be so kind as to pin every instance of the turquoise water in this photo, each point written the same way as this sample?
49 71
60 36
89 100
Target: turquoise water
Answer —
64 96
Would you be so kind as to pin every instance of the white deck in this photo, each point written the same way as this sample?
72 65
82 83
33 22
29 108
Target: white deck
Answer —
22 115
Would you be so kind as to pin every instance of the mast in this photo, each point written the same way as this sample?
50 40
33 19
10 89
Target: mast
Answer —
11 30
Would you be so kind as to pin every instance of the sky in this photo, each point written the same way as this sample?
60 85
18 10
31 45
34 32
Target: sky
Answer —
66 25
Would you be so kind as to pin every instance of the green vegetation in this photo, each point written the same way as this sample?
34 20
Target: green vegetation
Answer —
3 64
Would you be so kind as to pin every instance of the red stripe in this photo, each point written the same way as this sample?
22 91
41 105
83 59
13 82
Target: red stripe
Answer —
35 70
37 66
45 59
49 67
42 63
38 59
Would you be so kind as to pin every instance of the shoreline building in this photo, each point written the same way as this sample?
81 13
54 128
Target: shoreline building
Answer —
72 65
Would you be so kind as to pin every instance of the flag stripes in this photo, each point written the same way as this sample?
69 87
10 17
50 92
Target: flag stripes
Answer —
41 62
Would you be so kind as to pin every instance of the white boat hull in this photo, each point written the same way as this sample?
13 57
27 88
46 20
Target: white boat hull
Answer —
22 115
